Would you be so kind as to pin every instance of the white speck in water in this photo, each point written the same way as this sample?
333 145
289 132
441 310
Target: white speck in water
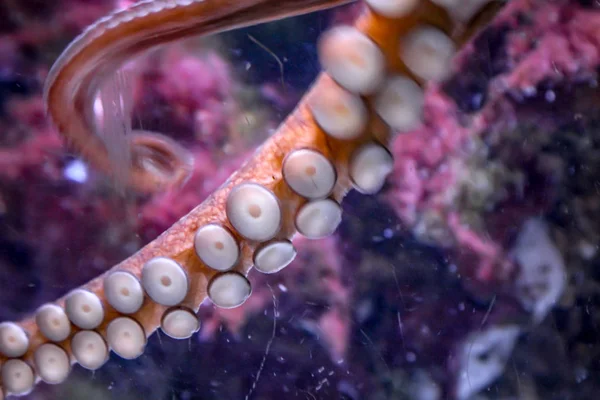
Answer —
282 287
529 91
321 383
411 357
581 374
587 250
76 171
186 395
550 96
388 233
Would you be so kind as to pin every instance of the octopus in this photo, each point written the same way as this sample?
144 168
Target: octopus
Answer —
336 139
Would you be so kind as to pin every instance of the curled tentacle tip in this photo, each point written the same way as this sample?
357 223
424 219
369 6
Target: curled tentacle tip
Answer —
159 162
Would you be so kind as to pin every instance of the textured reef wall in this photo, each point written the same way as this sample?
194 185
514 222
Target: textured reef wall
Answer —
480 256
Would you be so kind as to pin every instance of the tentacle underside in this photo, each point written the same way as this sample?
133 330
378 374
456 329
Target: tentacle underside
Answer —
334 140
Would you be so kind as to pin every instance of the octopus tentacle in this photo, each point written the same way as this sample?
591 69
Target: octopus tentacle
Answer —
334 141
75 78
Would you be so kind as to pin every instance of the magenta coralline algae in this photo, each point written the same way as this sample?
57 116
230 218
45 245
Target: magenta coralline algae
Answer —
446 184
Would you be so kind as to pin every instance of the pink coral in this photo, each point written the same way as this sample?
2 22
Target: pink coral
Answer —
431 161
197 88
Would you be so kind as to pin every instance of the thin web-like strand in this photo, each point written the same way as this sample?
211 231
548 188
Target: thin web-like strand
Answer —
279 62
115 124
485 317
268 348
